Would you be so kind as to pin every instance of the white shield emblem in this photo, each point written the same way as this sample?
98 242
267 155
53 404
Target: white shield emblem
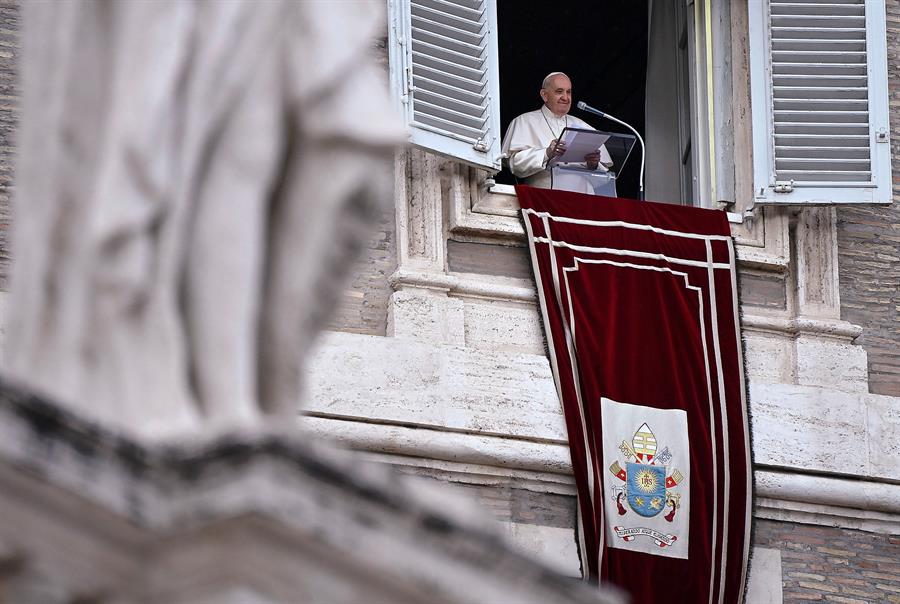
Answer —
647 482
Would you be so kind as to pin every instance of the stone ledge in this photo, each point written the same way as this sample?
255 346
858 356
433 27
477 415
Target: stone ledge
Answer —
439 411
278 513
828 432
548 460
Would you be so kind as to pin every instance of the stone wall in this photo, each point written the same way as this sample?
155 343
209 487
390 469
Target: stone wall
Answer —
523 506
818 563
363 305
869 249
833 565
9 111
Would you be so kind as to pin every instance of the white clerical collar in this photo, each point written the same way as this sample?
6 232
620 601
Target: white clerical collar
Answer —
551 115
554 121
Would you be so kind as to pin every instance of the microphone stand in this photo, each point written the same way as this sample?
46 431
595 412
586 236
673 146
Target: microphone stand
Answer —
585 107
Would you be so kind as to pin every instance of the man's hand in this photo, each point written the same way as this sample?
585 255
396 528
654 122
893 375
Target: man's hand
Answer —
592 160
555 149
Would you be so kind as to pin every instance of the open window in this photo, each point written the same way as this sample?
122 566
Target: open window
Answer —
602 46
819 99
661 65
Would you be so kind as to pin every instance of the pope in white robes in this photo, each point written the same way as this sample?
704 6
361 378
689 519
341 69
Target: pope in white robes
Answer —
531 140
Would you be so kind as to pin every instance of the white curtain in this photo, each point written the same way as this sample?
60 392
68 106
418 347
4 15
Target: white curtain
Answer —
664 147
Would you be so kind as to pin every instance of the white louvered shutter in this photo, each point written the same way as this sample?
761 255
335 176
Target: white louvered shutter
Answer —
819 96
444 71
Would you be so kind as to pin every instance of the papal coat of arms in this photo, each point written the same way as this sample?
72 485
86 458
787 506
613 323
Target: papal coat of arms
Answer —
648 485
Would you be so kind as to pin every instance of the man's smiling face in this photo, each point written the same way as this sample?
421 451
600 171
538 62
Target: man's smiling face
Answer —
558 95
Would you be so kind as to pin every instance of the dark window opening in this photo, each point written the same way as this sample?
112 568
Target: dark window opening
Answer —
601 46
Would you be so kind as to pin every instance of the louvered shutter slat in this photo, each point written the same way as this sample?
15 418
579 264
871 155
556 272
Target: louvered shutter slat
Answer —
824 129
821 22
818 33
820 69
449 80
844 105
423 24
821 140
472 61
813 56
811 93
820 176
818 163
452 44
426 108
817 49
808 44
445 88
818 151
458 9
461 107
440 63
421 8
823 118
819 8
821 81
473 4
436 123
825 2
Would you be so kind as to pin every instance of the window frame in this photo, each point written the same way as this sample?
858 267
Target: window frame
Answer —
708 24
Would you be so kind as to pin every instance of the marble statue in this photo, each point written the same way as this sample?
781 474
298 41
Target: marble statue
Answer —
193 179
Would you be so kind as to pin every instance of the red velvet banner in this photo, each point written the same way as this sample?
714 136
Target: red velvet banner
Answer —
640 309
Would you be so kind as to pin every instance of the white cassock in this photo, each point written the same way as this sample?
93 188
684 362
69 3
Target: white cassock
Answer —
525 146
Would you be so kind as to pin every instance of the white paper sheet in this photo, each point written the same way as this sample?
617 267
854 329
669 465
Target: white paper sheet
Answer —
579 142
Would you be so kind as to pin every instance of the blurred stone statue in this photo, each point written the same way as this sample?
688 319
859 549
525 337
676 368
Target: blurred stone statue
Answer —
193 179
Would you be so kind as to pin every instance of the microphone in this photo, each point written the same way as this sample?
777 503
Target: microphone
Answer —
585 107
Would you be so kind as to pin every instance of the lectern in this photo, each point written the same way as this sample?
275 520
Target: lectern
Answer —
568 172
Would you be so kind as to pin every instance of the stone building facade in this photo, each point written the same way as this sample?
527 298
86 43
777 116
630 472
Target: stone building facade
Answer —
436 359
460 380
867 245
9 49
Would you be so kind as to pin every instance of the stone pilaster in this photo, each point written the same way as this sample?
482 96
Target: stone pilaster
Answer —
420 308
825 354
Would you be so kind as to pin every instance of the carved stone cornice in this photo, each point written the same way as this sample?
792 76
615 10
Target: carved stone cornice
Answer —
274 515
